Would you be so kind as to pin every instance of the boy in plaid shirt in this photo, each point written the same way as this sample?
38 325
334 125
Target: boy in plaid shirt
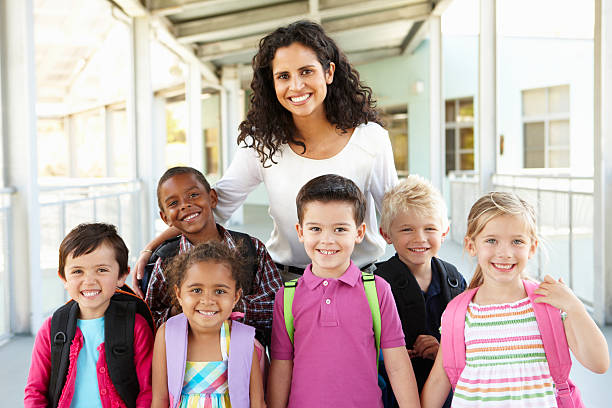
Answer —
186 203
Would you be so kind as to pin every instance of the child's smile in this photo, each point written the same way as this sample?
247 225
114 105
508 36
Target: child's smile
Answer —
208 295
329 234
91 280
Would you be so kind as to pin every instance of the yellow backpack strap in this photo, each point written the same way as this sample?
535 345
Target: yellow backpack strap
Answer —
369 284
288 293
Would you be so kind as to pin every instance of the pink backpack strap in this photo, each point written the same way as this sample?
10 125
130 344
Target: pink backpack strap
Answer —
555 344
453 335
176 356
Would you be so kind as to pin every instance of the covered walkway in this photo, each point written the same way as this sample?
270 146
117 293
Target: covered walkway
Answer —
99 97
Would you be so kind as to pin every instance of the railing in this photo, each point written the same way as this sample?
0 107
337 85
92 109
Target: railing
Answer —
62 207
564 214
5 267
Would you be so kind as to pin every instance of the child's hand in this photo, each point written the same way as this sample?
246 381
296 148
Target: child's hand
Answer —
557 294
425 346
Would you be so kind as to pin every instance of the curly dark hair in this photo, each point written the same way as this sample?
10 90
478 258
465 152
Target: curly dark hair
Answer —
215 252
268 125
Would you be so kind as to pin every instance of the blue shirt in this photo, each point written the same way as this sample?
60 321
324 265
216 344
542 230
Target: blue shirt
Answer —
433 304
86 390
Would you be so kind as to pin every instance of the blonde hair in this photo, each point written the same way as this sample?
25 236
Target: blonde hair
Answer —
416 193
495 204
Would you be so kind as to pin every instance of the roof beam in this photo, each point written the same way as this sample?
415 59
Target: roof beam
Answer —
412 12
133 8
241 24
351 8
414 38
248 44
168 7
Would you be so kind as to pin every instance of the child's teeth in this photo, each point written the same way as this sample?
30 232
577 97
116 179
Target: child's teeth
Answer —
90 293
419 249
503 266
326 252
206 313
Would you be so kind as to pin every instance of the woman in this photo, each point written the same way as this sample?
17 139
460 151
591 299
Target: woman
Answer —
309 116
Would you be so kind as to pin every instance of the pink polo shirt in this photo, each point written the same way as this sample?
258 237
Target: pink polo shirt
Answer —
334 357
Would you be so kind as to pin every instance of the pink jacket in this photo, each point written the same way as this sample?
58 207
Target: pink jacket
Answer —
36 390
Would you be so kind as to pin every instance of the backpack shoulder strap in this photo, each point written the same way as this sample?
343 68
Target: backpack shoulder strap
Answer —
451 279
239 363
453 335
288 294
63 329
369 285
176 355
168 249
552 331
119 347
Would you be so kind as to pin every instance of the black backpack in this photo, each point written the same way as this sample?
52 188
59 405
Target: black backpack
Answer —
170 248
118 342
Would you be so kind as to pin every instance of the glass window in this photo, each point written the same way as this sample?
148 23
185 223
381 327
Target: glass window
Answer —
459 134
177 153
211 123
396 122
546 127
52 148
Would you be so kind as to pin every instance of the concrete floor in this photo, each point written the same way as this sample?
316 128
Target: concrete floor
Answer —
15 355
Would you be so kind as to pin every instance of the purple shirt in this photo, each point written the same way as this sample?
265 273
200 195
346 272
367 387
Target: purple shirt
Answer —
334 358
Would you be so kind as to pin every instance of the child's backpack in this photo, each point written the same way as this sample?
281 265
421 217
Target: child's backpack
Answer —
170 248
369 285
551 329
118 342
239 361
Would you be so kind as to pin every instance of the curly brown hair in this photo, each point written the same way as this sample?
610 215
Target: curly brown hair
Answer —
215 252
268 125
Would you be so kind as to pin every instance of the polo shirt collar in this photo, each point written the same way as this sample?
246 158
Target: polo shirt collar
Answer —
350 276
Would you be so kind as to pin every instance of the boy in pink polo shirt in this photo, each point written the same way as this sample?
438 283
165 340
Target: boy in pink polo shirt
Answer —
332 361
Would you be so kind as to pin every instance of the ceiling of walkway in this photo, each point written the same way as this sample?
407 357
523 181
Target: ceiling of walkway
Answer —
227 31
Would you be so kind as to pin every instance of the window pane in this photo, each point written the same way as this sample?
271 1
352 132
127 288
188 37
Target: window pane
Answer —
176 139
52 148
467 161
534 159
450 162
558 158
558 135
119 132
534 102
90 143
466 138
450 111
211 124
450 141
558 99
534 135
466 110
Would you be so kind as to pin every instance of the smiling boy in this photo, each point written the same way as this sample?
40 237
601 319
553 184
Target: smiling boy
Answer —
414 220
331 360
186 202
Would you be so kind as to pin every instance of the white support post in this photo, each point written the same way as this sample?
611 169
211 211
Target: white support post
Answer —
233 112
20 162
487 96
193 98
602 197
140 119
436 127
72 151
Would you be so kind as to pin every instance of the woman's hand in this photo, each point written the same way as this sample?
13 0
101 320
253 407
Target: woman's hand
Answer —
425 346
557 294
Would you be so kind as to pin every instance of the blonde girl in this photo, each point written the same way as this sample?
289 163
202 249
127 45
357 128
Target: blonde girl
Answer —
201 357
506 364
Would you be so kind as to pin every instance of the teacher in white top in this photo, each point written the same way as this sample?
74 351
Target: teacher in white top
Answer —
310 115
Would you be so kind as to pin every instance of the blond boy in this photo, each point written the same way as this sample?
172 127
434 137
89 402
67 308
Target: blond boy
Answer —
414 220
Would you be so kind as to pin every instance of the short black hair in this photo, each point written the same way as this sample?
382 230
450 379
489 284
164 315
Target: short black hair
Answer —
328 188
174 171
86 238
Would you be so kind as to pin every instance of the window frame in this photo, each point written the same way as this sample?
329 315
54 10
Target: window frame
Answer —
456 127
546 118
